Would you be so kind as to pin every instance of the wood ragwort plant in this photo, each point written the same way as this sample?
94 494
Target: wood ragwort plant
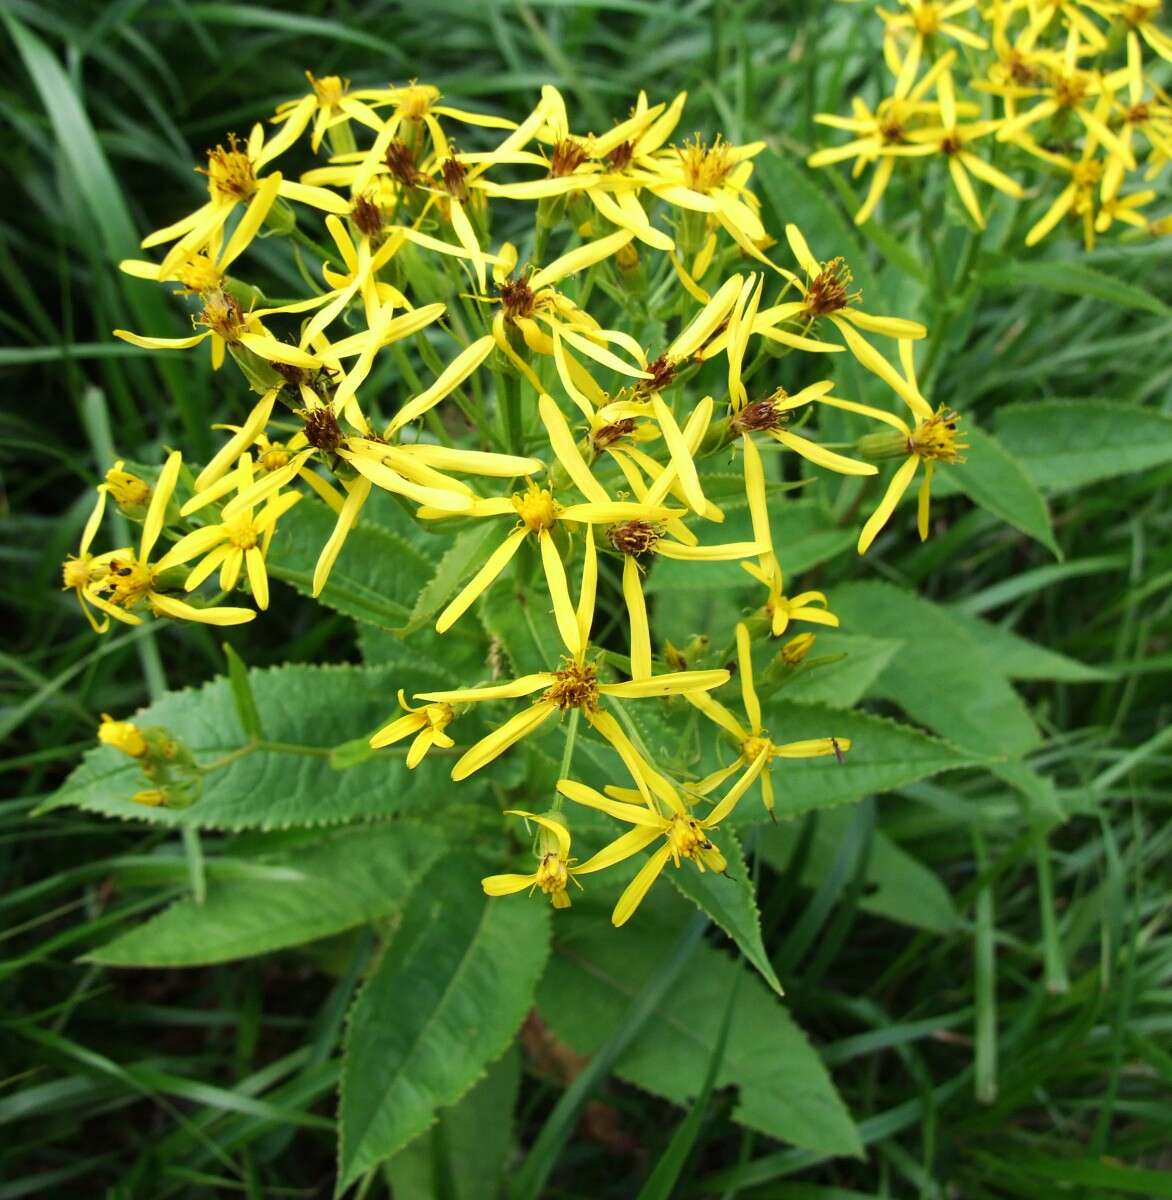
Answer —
556 422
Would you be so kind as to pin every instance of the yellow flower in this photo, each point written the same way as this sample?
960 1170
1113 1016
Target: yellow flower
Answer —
538 513
84 573
1141 16
666 815
415 118
770 416
131 579
881 136
1067 89
130 493
227 324
1150 116
574 684
926 21
951 140
555 867
933 437
1087 174
753 742
234 178
428 722
826 294
528 302
329 104
122 735
712 178
233 544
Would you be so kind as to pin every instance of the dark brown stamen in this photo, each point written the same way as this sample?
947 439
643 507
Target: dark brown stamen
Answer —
321 429
455 179
611 433
620 156
635 538
367 217
662 372
517 298
568 156
400 162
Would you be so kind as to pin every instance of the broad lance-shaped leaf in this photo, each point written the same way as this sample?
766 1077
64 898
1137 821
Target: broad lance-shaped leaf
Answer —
463 1156
845 681
943 676
784 1091
1071 279
1068 444
1019 658
336 881
730 902
899 887
449 993
991 477
377 577
883 755
314 707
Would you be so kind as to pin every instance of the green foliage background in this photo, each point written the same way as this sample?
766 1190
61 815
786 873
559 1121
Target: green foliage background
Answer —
969 922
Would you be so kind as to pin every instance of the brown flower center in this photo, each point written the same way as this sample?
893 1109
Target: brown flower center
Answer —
635 538
568 156
828 291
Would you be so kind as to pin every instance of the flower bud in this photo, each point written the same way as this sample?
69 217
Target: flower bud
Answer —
122 735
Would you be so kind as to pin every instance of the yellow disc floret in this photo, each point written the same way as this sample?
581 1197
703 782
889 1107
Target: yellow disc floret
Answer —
536 507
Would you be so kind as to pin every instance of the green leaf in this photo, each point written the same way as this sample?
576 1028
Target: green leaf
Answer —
462 1157
242 694
1067 444
1070 279
445 1000
994 479
467 553
784 1090
381 866
730 901
309 708
1019 658
376 578
842 683
899 887
884 755
943 677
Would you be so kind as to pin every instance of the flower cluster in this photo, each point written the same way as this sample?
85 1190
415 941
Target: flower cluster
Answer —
1053 92
515 407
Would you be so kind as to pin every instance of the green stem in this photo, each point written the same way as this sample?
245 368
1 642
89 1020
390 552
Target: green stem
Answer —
567 755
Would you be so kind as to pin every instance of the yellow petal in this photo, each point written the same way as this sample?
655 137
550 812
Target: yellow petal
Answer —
899 484
559 592
748 692
357 492
568 454
448 380
620 849
156 514
673 683
632 897
580 258
497 742
476 586
637 612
